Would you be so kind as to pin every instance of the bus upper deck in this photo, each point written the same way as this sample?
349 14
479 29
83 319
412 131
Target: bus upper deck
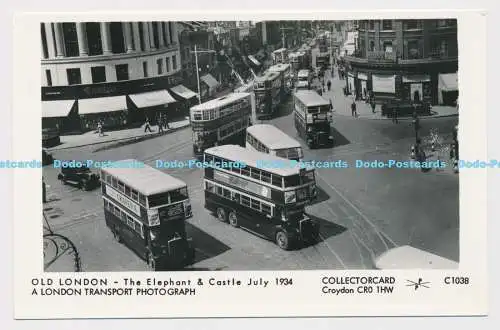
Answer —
269 139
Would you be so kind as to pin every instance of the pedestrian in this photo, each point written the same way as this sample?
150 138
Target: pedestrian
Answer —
160 124
373 105
99 128
147 127
329 84
165 122
354 112
331 105
395 115
44 191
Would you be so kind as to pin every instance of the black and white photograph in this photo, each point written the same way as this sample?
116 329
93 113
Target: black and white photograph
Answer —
250 145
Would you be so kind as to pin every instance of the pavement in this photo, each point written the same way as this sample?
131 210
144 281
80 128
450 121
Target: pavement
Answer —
362 212
342 103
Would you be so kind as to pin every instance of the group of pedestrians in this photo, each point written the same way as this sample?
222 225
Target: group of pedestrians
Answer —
161 121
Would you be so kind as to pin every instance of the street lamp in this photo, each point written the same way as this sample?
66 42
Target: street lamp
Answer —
196 51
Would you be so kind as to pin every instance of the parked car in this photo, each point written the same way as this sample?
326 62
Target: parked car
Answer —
82 177
405 108
47 158
50 137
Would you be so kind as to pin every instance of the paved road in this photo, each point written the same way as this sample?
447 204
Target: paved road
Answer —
362 212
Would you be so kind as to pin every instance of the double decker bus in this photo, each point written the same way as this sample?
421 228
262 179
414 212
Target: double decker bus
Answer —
312 118
262 196
146 210
286 78
280 56
305 76
267 94
271 140
220 121
297 60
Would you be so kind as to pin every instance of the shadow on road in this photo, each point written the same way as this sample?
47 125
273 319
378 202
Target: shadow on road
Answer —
339 138
206 246
285 108
321 197
327 228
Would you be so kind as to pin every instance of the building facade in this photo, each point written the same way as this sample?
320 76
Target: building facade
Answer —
108 65
409 60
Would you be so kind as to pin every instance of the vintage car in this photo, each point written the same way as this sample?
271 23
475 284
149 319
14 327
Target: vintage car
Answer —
405 108
82 177
50 137
47 158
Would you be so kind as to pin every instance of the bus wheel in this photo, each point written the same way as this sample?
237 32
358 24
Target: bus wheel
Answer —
282 240
221 214
151 262
233 219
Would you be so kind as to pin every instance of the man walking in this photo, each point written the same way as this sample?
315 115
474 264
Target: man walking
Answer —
353 109
373 105
147 127
159 122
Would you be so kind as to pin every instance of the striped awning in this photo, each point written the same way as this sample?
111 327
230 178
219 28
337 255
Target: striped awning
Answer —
152 99
55 109
102 105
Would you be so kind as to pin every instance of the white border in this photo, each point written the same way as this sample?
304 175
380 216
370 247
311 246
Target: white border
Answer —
470 301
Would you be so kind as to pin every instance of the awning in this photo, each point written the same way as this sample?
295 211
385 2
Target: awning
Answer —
210 81
102 105
183 92
54 109
416 78
151 99
384 84
254 60
448 82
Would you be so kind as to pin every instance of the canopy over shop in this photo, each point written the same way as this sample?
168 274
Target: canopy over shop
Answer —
448 88
189 98
111 110
58 114
152 104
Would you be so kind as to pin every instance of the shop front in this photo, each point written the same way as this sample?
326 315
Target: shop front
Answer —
363 85
448 88
416 88
151 105
112 111
384 86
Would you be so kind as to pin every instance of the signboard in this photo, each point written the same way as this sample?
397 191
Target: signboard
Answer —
126 202
384 84
243 184
168 212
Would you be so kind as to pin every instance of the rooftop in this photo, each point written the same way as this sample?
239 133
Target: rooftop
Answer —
221 101
272 137
311 98
147 180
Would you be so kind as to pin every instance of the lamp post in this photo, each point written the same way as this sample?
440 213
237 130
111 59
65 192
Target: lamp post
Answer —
196 51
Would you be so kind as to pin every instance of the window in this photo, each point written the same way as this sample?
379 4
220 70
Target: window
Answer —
386 24
413 49
209 186
245 200
266 209
114 182
70 39
121 72
45 50
276 180
156 37
94 38
255 173
371 25
159 62
127 191
158 199
98 74
121 187
117 38
141 36
49 77
108 179
245 171
74 76
226 193
145 69
387 46
178 195
174 62
142 199
165 40
167 64
265 177
411 24
134 195
219 190
292 181
255 204
372 45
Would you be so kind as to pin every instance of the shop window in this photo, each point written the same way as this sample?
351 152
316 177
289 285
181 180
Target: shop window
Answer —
174 62
74 76
145 69
159 63
98 74
167 64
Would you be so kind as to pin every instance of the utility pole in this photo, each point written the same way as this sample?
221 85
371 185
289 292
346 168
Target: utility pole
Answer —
196 51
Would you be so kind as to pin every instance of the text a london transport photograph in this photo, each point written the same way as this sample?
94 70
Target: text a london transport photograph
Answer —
250 145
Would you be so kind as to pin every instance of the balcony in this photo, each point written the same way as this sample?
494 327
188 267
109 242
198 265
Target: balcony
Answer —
391 58
381 56
436 55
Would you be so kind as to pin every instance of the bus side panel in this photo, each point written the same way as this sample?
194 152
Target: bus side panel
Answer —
129 237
